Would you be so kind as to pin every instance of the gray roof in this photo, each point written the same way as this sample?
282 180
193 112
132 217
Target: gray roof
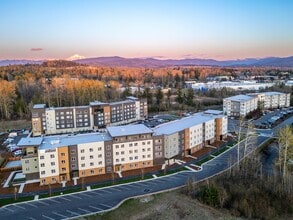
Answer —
273 93
39 106
132 98
98 103
240 98
213 112
68 140
181 124
121 102
128 130
30 141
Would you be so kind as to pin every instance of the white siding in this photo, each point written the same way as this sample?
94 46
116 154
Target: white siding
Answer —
171 144
91 155
48 163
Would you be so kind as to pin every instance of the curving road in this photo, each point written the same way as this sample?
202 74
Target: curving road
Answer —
103 199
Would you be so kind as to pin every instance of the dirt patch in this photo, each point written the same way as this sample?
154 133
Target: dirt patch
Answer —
171 205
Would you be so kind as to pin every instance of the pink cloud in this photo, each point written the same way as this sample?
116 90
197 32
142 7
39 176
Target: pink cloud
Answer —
36 49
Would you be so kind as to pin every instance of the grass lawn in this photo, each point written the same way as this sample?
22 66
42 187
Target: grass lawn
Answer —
220 151
12 200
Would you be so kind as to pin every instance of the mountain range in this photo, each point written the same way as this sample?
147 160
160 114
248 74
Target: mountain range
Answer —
116 61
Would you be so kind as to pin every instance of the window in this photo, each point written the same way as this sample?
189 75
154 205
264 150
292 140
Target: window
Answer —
100 155
72 151
122 145
63 154
108 147
116 146
130 145
108 154
149 149
92 171
122 152
53 171
100 163
63 169
117 153
63 161
73 166
149 155
99 148
42 157
148 142
52 163
135 151
43 172
91 157
82 151
117 160
91 164
91 149
136 157
130 151
42 165
130 158
82 158
52 156
135 144
122 159
143 149
73 158
82 165
27 161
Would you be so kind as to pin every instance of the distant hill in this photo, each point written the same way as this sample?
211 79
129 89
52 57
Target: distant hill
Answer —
19 62
116 61
151 62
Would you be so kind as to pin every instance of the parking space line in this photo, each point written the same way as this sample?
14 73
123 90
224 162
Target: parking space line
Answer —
62 197
85 194
104 191
96 193
31 218
115 189
18 206
54 200
107 206
8 209
123 188
95 207
63 216
47 217
42 202
75 197
30 204
134 186
73 213
84 210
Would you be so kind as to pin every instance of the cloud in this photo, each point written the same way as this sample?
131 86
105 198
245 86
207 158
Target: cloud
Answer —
36 49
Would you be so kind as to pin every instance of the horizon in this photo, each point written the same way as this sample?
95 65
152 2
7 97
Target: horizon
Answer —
202 29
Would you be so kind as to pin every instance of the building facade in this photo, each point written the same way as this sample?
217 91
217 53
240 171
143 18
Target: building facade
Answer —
60 158
239 105
81 118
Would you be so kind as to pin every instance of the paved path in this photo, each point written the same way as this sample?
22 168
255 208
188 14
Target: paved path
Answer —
107 198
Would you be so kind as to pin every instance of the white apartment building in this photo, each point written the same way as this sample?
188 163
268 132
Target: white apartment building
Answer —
239 105
270 100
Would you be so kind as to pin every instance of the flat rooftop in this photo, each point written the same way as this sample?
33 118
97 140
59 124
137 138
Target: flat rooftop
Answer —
30 141
240 98
127 130
39 106
273 93
181 124
51 142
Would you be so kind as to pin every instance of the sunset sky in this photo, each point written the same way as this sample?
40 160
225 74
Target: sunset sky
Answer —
219 29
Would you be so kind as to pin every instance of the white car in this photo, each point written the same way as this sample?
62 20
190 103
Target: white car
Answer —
17 153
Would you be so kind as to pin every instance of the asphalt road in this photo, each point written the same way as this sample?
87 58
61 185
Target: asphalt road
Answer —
99 200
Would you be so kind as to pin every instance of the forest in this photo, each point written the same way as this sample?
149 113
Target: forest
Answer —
64 83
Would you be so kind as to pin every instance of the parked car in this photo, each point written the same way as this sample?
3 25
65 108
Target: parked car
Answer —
17 153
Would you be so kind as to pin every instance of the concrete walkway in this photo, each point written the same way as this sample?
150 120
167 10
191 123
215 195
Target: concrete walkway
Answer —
75 180
6 184
119 174
187 167
163 166
155 176
21 188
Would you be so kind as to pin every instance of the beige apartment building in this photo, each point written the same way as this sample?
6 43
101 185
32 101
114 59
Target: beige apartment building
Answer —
82 118
60 158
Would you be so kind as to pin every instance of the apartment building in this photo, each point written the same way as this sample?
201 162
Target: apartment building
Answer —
271 100
239 105
81 118
188 135
59 158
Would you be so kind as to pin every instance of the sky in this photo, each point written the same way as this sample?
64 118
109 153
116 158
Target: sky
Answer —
218 29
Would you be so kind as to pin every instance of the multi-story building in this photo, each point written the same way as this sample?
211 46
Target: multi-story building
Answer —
239 105
80 118
54 159
271 100
188 135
